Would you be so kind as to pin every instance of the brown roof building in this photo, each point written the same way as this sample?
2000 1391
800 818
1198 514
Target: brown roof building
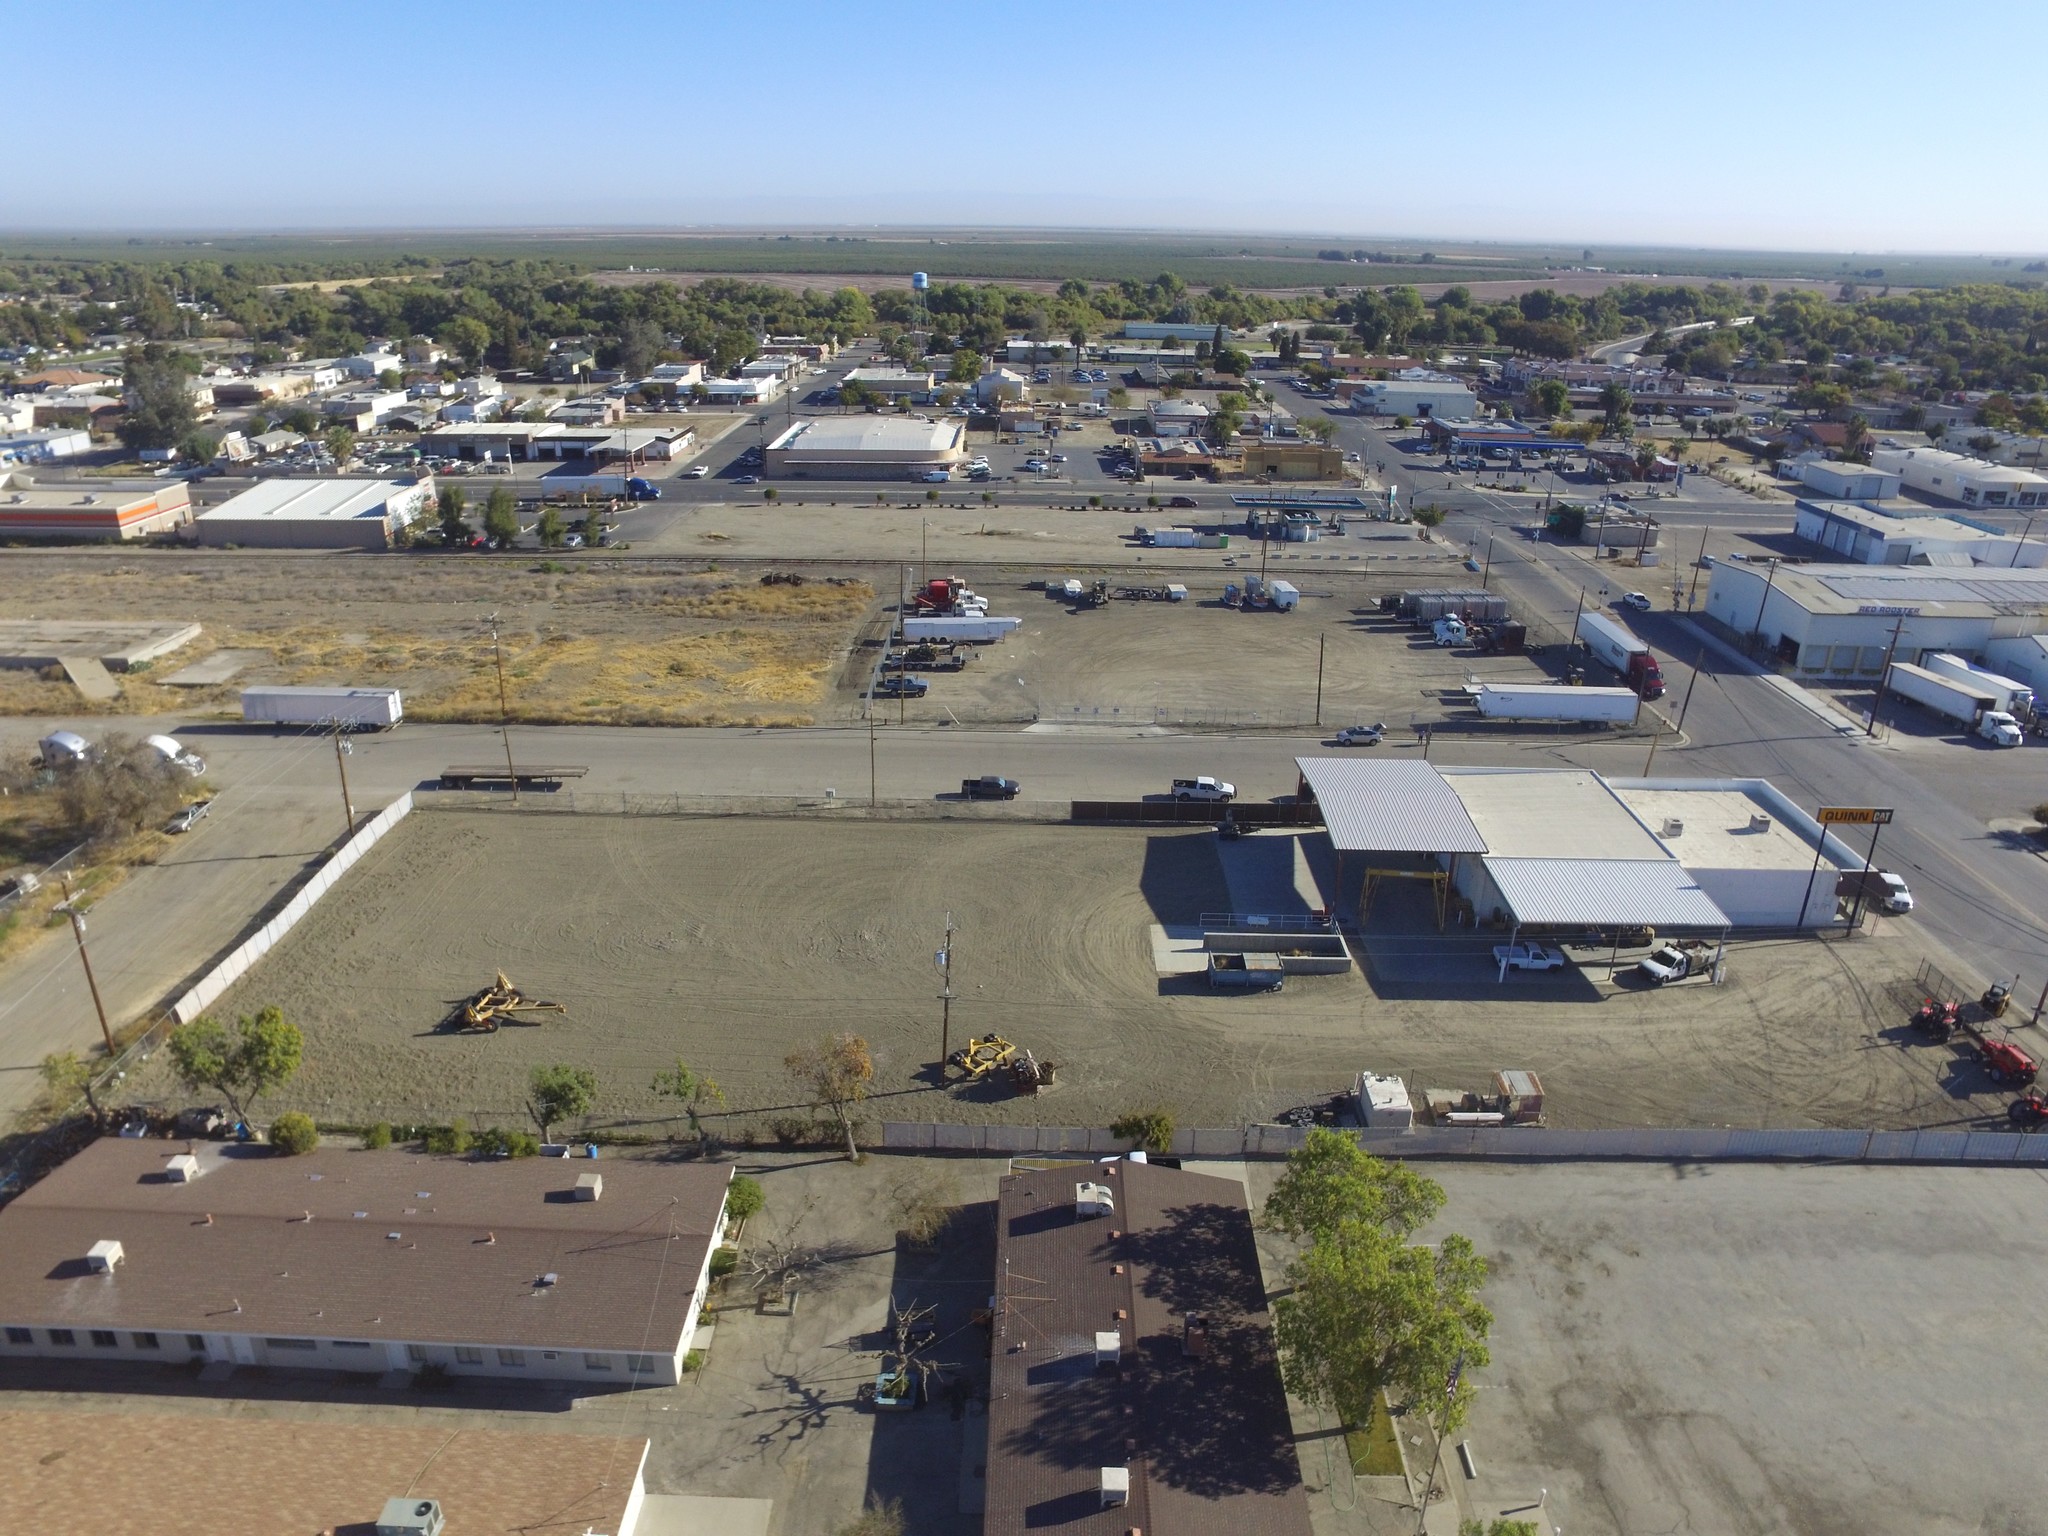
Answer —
87 1474
62 378
363 1261
1133 1384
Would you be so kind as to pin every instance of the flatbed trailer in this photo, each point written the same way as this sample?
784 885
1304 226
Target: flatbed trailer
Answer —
525 775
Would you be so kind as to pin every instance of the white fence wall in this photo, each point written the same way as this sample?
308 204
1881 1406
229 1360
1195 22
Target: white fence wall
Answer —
258 944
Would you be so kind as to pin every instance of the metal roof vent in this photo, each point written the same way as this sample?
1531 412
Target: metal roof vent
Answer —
1116 1486
103 1255
182 1169
1091 1199
410 1517
589 1186
1109 1348
1674 826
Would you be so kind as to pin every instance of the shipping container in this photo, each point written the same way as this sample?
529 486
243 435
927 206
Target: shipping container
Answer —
1556 701
1425 605
357 709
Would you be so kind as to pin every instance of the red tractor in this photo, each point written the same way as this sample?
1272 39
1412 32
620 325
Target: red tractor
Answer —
938 595
1937 1019
2029 1113
2006 1062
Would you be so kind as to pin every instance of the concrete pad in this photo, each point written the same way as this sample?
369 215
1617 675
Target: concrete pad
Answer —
700 1514
89 677
1177 951
217 668
45 642
217 1370
1268 874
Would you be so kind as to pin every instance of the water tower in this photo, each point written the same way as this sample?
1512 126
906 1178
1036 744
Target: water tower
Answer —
920 311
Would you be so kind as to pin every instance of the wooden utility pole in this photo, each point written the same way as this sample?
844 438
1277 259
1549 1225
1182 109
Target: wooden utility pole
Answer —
348 806
504 714
945 958
1321 642
92 985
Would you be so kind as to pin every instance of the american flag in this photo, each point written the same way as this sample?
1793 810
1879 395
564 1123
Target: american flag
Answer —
1451 1385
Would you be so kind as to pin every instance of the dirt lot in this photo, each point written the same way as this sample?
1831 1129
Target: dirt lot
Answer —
731 941
593 641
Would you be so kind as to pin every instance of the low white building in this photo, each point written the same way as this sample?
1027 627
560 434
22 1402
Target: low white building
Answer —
773 365
1906 533
1958 478
475 408
675 376
1842 482
316 514
1442 398
1021 349
1000 384
373 405
892 383
44 446
866 447
1178 418
740 392
18 412
370 365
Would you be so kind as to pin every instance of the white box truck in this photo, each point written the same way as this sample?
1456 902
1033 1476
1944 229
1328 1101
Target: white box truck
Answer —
958 629
356 709
1556 701
2010 697
1944 696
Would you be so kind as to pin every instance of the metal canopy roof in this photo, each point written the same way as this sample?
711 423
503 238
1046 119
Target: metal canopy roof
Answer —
1604 893
1389 807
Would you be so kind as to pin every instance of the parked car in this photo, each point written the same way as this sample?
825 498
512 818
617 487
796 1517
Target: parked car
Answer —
990 786
903 688
189 817
746 480
1528 957
696 471
1360 735
1203 788
1181 501
1636 600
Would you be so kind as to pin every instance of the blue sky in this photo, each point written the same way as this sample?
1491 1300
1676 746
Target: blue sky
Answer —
1874 127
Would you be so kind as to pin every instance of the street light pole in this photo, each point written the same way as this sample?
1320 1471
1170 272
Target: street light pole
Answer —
1694 590
92 985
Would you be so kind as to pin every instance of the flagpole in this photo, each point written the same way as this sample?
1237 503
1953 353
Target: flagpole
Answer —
1436 1465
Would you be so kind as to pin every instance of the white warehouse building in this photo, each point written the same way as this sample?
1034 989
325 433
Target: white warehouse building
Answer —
1958 478
1443 398
316 514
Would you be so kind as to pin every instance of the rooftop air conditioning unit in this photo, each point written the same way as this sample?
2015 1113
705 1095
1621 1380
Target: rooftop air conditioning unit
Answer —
1759 823
1674 826
1116 1486
103 1255
182 1169
1109 1348
589 1186
1093 1200
410 1517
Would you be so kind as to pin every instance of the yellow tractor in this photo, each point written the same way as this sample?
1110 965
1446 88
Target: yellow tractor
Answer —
983 1055
499 1003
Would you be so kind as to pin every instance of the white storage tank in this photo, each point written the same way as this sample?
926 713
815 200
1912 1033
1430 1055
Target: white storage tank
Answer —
1383 1103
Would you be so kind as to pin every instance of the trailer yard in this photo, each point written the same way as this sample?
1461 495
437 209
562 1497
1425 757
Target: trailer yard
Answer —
730 941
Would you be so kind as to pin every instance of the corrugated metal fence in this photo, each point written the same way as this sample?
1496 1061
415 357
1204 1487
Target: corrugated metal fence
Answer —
1530 1144
1197 812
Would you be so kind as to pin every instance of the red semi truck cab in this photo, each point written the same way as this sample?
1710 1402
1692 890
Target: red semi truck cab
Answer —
1644 675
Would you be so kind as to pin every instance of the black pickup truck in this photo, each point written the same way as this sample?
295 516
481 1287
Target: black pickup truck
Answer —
990 786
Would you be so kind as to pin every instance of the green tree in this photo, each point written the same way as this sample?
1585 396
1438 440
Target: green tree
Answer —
1150 1129
198 446
391 378
450 502
340 442
1550 399
294 1133
549 528
1616 404
1226 418
966 367
557 1093
744 1199
468 337
1366 1311
239 1064
1330 1181
67 1077
161 410
691 1089
501 516
835 1071
1431 516
1317 429
1499 1528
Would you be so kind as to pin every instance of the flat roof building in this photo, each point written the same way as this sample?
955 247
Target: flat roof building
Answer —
316 514
44 446
1906 533
255 1475
1180 330
866 448
1958 478
351 1261
108 509
892 382
1840 620
1570 850
1133 1383
1413 397
1837 481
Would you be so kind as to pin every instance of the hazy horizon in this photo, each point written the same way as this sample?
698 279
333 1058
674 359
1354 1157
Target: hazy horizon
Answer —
1760 128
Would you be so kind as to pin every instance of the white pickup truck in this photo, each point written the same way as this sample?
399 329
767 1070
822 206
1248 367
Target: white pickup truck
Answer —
1204 788
1527 957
